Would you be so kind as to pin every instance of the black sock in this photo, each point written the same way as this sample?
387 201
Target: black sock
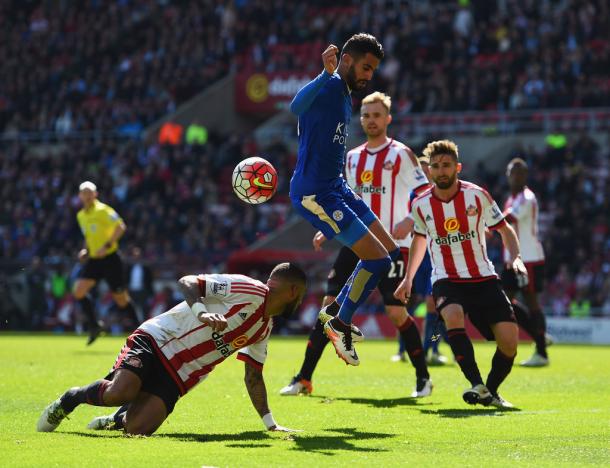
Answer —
501 366
410 334
539 321
119 416
130 311
92 394
464 354
315 347
333 308
86 306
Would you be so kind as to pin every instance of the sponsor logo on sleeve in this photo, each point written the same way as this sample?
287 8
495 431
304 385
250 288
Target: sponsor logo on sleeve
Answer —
419 175
243 315
219 289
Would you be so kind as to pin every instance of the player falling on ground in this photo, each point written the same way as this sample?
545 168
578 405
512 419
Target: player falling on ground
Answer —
422 285
171 353
451 219
383 172
102 228
318 190
521 210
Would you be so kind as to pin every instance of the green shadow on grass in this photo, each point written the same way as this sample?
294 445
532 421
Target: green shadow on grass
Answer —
339 439
239 437
346 440
386 402
469 412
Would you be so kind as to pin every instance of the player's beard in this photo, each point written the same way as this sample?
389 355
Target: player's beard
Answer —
352 80
445 183
290 309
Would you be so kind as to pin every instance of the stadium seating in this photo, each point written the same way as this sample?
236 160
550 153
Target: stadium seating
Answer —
119 66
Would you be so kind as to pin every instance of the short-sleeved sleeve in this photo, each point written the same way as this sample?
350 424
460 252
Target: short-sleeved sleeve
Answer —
419 226
113 216
412 170
492 215
231 289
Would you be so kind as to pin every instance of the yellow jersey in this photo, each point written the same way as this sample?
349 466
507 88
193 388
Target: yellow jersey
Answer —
97 225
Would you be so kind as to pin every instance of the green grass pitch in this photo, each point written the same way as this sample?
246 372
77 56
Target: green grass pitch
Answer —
356 417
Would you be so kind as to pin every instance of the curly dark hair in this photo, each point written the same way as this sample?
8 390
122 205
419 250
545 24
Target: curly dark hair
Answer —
362 43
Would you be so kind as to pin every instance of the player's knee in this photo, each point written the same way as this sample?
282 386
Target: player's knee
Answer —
453 317
398 316
508 339
139 427
119 393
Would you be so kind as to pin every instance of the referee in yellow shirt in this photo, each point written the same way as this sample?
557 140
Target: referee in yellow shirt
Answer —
102 228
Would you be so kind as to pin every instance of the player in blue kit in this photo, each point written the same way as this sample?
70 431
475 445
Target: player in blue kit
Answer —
319 192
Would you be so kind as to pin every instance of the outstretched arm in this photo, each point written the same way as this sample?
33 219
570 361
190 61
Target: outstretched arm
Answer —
306 95
258 395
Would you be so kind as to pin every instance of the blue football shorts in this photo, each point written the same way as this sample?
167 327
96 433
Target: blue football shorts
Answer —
339 213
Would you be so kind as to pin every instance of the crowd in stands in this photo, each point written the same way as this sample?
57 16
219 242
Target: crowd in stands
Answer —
460 55
118 66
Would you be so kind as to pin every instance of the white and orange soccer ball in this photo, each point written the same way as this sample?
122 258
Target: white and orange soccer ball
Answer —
254 180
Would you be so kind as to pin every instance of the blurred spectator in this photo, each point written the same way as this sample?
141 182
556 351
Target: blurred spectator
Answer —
37 294
81 65
139 282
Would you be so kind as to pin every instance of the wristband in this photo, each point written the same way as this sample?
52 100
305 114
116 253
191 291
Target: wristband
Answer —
197 308
268 421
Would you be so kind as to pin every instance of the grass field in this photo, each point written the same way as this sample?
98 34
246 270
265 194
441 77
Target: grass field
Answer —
356 417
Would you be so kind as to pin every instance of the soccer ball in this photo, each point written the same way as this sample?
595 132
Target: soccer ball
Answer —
254 180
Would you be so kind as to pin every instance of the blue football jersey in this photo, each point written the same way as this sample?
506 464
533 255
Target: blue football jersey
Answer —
324 108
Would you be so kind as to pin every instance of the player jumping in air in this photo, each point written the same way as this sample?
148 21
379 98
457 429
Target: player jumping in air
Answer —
450 220
383 172
521 210
318 190
171 353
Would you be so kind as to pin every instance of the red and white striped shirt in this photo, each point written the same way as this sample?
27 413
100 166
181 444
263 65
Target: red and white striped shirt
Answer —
190 349
384 177
456 231
521 211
